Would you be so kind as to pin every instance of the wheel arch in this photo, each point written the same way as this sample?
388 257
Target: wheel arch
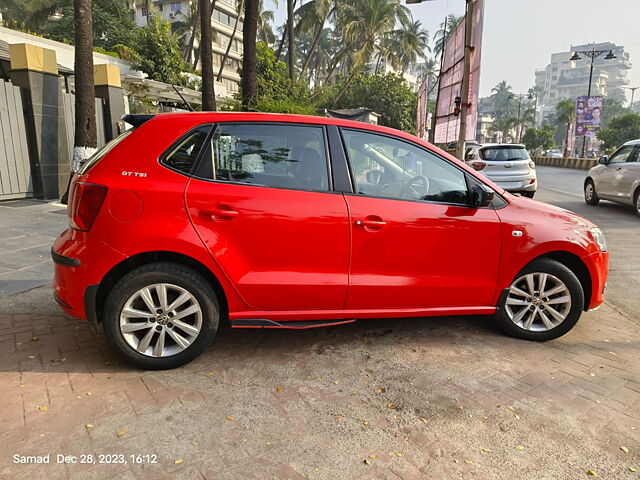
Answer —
140 259
577 266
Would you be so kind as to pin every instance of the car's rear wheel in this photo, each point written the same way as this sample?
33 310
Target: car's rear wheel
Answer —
161 316
590 194
636 202
543 302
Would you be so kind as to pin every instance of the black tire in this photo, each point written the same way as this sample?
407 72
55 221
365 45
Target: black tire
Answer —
636 202
528 194
172 274
590 194
572 284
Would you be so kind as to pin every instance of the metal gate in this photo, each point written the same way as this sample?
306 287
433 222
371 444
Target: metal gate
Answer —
15 170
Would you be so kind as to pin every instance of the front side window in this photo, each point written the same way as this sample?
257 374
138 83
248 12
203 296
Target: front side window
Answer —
622 154
385 167
277 155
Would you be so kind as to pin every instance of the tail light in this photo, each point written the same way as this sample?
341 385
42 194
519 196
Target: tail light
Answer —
477 166
532 165
86 200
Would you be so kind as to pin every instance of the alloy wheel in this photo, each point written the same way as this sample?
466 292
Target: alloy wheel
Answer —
588 191
160 320
538 302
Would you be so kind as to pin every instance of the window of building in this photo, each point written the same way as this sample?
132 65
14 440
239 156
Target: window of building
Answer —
175 6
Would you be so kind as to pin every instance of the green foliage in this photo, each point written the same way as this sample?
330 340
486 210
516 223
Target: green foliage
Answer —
276 92
620 130
611 108
112 23
539 138
156 51
387 95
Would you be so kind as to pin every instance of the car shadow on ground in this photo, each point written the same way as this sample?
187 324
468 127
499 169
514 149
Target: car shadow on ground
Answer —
50 343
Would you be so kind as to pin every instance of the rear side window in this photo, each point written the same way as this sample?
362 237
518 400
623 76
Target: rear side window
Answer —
183 155
271 155
101 153
504 154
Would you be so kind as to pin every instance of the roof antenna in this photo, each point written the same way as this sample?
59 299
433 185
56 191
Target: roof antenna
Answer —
189 107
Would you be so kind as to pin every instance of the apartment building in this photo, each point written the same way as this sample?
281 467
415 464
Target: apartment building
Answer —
223 21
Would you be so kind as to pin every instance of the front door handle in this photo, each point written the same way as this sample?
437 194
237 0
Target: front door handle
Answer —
223 212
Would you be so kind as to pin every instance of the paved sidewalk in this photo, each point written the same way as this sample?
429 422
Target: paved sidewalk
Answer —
445 398
27 230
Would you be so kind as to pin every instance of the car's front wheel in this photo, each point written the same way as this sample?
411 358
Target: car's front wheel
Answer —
161 316
636 202
590 194
543 302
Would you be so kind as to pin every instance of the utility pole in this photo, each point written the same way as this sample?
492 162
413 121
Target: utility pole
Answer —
633 91
464 95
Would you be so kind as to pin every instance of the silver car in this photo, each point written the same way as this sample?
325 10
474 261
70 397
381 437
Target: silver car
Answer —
506 164
616 178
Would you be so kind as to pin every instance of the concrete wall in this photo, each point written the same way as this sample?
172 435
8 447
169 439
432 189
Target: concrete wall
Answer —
577 163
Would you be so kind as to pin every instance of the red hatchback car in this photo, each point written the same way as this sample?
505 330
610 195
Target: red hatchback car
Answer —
282 221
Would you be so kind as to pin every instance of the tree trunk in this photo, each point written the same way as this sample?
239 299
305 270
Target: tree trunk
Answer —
197 54
249 67
194 32
292 48
206 57
226 53
281 46
566 140
85 140
147 7
345 86
314 44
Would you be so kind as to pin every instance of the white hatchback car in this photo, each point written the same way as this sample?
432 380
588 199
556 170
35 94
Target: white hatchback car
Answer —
506 164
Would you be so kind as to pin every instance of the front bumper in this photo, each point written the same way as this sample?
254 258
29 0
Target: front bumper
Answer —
598 265
80 263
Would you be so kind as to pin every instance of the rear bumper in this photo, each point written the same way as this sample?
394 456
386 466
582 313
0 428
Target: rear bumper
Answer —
80 263
598 265
515 183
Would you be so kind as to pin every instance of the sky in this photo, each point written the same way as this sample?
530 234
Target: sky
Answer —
520 35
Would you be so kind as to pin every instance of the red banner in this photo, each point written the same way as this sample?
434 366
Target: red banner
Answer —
448 124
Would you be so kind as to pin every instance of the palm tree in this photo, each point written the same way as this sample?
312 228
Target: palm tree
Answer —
429 69
206 57
313 15
235 28
265 18
446 28
566 114
364 23
187 26
249 78
402 47
85 138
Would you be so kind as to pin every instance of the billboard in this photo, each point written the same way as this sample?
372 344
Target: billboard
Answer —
588 112
448 124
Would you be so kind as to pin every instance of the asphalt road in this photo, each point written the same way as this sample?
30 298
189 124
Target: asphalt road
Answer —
563 187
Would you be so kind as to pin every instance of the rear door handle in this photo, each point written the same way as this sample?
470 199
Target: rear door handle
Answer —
223 213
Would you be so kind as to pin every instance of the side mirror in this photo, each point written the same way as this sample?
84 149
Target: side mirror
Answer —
603 160
480 196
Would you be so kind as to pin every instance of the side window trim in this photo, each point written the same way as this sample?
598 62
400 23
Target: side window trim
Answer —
633 156
180 140
341 171
326 145
420 147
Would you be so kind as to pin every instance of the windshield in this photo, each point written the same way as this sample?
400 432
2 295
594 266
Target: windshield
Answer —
504 154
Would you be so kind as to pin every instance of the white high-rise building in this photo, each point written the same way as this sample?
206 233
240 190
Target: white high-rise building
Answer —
223 21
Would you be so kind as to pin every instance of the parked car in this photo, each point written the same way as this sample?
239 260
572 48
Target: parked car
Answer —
507 164
616 178
554 153
285 221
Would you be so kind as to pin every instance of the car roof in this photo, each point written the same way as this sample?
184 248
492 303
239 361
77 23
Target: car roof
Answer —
633 142
518 145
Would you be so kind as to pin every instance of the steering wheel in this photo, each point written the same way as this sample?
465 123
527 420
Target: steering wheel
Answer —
416 188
